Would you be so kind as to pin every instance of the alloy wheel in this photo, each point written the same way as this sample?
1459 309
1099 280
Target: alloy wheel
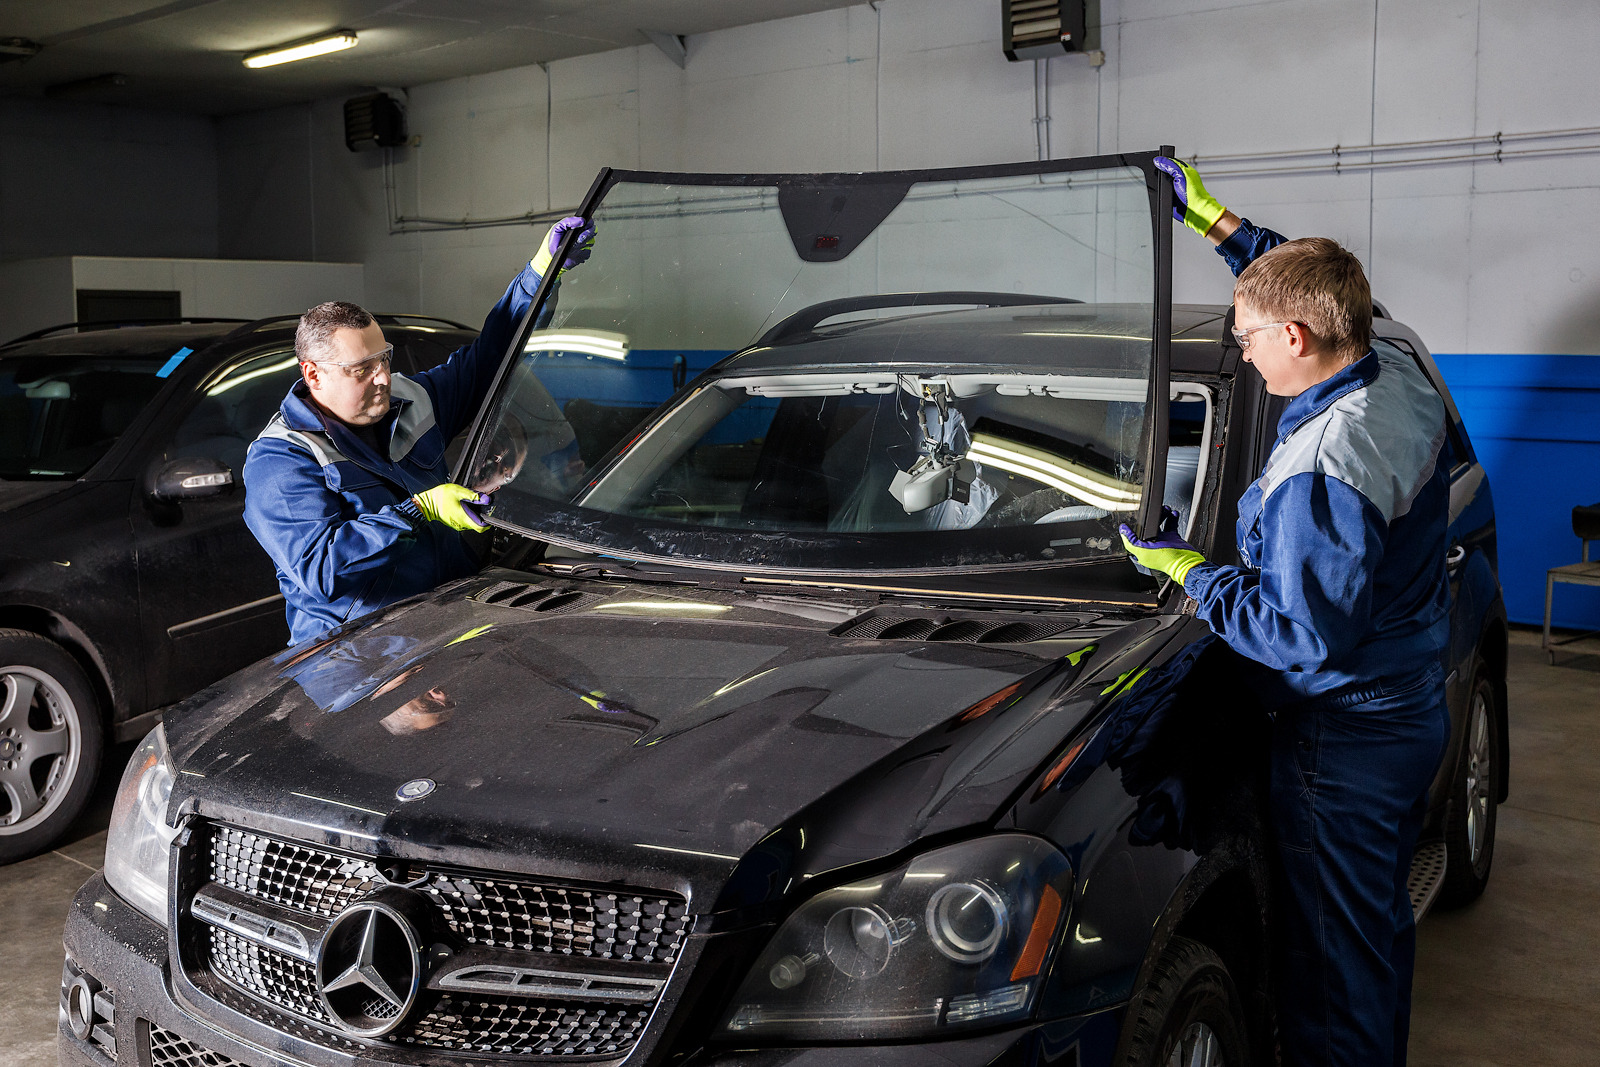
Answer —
40 746
1479 777
1199 1047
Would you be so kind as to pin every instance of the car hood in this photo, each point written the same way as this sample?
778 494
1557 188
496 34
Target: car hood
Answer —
623 732
15 494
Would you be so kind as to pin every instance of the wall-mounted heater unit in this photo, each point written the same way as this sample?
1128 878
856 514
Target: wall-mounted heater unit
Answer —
1039 29
373 121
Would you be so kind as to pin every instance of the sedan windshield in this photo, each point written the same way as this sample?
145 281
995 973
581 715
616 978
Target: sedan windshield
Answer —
841 373
59 413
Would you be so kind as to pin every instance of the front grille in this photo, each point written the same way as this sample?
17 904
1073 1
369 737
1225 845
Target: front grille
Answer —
487 910
507 1026
283 980
167 1049
480 909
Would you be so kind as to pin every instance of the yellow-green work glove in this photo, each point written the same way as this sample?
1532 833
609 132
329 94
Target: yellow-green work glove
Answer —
447 503
552 242
1195 208
1167 552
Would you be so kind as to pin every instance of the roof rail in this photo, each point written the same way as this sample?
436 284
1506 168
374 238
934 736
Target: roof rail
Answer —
387 318
258 325
255 325
806 319
114 324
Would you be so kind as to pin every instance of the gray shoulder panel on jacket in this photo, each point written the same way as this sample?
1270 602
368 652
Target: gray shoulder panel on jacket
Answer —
1382 440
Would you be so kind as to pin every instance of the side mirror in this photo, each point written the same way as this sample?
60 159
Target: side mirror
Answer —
192 478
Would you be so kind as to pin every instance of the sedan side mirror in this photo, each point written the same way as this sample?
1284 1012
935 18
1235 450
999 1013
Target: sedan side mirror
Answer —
191 478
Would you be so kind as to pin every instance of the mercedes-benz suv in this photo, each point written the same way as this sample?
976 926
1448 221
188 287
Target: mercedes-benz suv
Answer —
812 712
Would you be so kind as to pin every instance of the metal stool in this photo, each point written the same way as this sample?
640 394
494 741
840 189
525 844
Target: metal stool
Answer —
1586 524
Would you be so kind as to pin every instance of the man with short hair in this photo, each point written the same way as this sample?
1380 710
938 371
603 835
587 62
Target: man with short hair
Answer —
346 488
1342 602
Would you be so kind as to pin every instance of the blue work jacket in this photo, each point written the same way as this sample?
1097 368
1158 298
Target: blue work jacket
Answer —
338 519
1343 536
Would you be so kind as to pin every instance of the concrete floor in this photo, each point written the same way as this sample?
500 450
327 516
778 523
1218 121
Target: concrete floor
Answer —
1511 980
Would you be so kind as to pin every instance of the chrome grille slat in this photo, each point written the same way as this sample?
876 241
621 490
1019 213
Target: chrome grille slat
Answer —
273 976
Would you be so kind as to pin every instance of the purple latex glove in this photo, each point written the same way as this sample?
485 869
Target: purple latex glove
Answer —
581 250
1180 186
473 508
1192 206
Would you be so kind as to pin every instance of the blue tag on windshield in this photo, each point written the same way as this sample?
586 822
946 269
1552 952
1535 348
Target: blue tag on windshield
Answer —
172 364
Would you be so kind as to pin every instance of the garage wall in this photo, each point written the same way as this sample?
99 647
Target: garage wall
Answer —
78 179
1491 258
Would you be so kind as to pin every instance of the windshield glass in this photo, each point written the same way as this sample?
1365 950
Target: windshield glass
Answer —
59 413
925 374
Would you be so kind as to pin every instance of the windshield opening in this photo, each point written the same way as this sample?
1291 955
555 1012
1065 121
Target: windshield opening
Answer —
909 375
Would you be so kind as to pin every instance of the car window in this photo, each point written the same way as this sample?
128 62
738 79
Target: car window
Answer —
961 453
59 413
235 407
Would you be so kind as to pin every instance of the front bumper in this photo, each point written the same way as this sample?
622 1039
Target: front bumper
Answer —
125 954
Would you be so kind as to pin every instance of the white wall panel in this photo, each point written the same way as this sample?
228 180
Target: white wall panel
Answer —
1246 77
1536 65
1480 258
1427 70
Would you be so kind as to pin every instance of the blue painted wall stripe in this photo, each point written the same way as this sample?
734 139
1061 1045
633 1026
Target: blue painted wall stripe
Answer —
1535 423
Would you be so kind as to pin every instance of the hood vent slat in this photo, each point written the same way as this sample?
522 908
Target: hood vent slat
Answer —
542 599
944 628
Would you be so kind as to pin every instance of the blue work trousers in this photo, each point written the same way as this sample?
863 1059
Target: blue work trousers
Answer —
1350 776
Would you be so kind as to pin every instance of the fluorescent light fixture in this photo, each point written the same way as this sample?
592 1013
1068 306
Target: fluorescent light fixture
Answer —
337 41
1056 471
588 342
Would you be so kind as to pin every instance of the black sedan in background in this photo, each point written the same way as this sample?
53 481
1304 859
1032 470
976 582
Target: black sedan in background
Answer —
127 577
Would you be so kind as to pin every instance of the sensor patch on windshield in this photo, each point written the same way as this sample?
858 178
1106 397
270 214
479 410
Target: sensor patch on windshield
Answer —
827 222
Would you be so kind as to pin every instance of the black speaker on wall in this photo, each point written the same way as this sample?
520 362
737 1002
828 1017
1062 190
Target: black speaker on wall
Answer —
1039 29
374 121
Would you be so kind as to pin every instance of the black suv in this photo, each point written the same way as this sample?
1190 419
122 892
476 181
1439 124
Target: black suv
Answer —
813 713
127 577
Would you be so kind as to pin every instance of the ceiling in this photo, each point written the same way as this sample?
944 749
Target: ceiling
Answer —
186 55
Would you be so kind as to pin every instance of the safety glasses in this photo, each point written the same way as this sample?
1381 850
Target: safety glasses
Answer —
362 369
1243 336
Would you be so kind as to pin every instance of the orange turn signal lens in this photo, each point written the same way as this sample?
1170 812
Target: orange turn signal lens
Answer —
1038 944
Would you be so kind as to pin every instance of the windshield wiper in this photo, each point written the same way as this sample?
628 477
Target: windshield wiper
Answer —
627 570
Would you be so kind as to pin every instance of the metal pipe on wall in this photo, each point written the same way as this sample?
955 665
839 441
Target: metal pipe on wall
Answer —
1429 153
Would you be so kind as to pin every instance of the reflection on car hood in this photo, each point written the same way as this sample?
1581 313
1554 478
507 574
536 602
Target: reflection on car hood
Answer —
635 732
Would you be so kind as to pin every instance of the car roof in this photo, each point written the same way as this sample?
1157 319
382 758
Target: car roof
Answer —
132 342
1029 335
165 339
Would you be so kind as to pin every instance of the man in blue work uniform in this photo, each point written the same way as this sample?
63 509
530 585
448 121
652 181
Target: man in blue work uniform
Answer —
1342 603
346 488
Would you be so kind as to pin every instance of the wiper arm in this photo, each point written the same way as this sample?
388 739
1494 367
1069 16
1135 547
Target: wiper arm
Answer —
627 570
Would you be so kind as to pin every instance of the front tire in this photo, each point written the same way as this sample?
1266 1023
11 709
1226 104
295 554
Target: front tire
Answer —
1188 1015
52 738
1471 815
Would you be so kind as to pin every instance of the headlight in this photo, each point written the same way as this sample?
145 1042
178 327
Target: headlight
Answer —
959 937
139 841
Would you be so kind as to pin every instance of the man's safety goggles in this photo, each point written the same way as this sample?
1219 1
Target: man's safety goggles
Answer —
362 369
1243 336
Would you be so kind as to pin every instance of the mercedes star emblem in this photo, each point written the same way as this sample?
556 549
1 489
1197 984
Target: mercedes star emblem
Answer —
369 968
415 789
